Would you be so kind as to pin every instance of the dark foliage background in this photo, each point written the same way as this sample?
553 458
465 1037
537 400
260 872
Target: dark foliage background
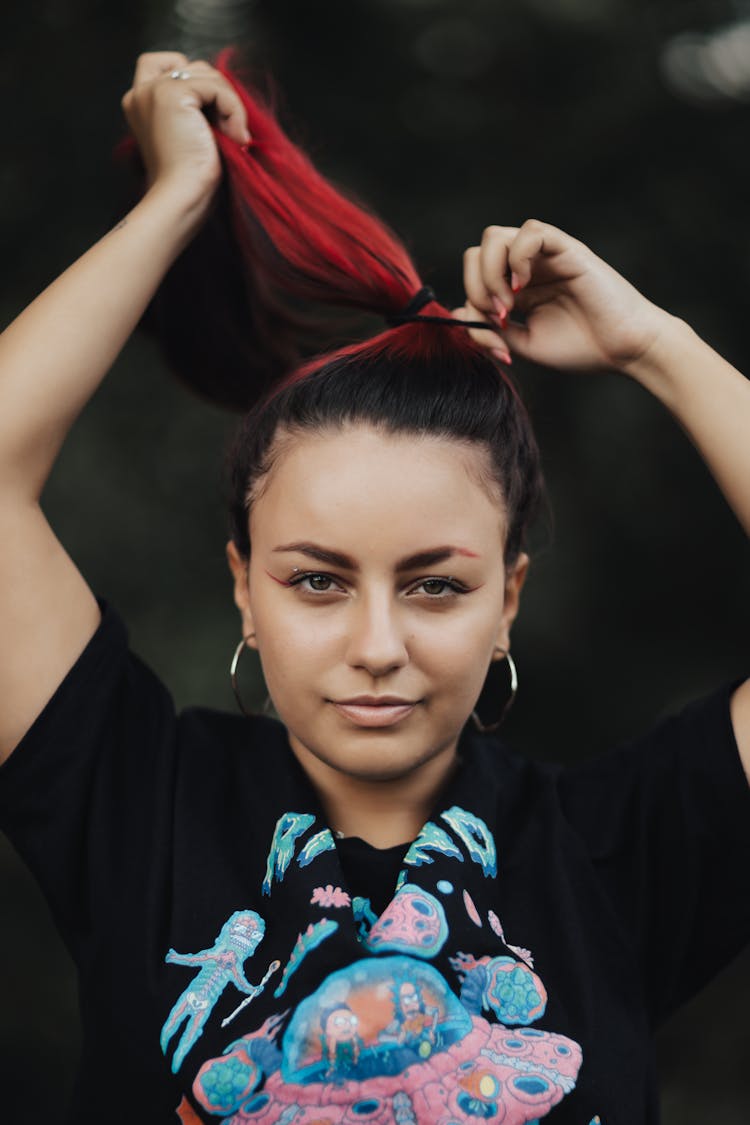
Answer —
624 122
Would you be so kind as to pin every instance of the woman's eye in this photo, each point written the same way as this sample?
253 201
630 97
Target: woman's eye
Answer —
320 583
437 587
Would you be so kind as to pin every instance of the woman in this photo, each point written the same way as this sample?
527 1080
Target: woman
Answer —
371 909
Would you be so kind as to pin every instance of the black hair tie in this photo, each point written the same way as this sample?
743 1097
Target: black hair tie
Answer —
410 313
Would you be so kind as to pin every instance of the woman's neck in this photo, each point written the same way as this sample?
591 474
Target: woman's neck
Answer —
382 812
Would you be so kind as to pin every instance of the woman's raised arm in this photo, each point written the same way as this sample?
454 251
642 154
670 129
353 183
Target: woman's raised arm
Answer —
711 401
581 315
56 353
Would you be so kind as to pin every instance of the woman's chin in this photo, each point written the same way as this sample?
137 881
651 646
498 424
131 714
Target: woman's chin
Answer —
377 757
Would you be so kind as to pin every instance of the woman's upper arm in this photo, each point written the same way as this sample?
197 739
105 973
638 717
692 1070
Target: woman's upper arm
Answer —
48 614
739 708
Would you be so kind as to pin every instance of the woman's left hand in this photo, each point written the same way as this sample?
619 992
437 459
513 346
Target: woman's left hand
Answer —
581 315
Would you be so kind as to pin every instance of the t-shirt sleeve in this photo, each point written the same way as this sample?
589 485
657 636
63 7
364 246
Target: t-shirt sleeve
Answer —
665 819
77 793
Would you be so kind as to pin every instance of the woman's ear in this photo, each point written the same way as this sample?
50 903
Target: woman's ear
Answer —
239 568
514 581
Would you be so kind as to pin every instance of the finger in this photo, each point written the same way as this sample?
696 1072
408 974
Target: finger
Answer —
202 67
517 338
206 90
540 293
153 64
231 117
469 312
493 263
535 239
476 291
492 340
519 335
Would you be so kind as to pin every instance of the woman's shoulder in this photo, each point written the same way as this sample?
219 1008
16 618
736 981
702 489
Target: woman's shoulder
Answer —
690 747
110 646
210 728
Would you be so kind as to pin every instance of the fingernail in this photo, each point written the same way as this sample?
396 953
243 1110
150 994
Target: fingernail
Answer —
515 283
501 310
503 356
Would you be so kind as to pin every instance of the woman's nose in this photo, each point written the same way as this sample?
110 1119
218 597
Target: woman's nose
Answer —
376 639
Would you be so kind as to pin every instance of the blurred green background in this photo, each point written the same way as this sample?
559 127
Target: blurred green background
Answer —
624 122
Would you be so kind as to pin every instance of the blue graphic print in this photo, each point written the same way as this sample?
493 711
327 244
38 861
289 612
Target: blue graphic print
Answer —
501 985
324 1040
321 842
218 967
477 837
364 915
432 838
288 828
315 933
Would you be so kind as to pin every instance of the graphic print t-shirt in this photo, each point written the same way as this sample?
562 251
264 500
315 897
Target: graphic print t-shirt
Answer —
541 924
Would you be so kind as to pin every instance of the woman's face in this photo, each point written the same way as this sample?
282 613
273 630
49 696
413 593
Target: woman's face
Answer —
377 595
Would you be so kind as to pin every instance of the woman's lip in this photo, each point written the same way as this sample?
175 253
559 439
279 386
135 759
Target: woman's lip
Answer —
375 714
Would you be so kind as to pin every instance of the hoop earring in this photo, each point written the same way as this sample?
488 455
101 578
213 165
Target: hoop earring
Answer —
487 728
233 677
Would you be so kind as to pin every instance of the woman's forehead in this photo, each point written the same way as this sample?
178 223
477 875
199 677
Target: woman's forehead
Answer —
360 486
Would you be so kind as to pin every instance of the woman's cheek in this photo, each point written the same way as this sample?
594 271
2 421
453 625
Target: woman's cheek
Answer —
459 644
295 661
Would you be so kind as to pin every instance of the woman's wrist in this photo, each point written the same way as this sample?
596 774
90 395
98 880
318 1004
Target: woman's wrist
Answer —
178 209
668 359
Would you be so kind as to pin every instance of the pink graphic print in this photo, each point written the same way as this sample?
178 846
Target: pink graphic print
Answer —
497 928
330 896
494 1073
414 922
471 909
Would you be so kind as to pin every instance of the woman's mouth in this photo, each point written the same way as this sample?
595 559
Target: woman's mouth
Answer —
372 711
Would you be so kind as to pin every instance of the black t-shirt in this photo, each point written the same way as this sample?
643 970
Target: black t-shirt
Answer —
542 923
371 872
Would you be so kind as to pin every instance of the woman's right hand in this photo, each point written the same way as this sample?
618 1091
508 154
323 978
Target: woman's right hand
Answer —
174 136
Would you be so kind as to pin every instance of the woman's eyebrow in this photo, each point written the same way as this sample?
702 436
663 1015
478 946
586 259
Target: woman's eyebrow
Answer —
335 558
411 562
432 556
